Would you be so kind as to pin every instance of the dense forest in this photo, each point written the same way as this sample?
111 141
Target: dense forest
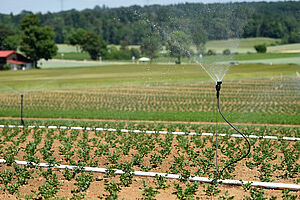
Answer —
212 21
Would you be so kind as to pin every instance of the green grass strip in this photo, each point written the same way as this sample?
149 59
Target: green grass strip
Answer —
263 118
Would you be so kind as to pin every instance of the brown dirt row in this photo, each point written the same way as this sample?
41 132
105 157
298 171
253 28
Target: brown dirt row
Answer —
149 121
134 191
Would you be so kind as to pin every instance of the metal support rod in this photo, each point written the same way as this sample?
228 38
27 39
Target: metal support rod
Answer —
218 88
217 143
22 121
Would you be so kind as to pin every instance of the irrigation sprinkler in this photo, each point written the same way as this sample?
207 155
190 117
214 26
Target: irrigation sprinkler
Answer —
22 121
219 174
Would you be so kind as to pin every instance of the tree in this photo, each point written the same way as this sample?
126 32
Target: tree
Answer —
9 40
151 46
77 37
199 37
94 45
260 48
37 42
178 45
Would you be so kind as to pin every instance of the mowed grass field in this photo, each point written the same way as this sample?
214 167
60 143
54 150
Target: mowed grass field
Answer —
242 51
250 93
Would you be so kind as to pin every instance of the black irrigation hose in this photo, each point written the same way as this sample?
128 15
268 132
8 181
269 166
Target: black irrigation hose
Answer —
218 88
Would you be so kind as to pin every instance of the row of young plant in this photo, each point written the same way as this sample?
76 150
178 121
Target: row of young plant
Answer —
184 155
243 97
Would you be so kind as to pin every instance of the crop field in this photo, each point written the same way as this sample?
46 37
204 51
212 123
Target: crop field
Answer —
269 161
150 99
253 93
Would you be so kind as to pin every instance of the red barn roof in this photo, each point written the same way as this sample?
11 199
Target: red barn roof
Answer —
6 53
16 62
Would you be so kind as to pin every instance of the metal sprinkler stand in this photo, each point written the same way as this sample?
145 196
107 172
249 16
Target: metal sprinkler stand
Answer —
218 88
22 121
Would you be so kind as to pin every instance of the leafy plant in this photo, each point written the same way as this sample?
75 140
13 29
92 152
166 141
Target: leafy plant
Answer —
287 196
148 192
112 188
161 182
187 193
226 197
83 182
211 189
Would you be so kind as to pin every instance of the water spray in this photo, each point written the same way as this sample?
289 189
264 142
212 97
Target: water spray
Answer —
22 121
219 174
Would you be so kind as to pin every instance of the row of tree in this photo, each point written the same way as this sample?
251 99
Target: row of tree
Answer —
211 21
37 42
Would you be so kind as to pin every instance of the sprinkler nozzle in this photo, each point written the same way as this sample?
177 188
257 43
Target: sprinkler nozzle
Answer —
218 88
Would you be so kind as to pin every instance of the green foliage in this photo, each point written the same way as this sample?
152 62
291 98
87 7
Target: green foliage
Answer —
37 42
94 45
286 196
8 38
211 52
226 52
189 148
188 193
255 193
178 45
226 197
151 45
83 181
114 53
6 178
293 37
148 192
112 188
260 48
199 36
50 187
23 174
6 67
132 24
68 174
161 182
211 190
126 178
76 38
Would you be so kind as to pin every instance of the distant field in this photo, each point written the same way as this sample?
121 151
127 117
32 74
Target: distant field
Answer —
250 94
279 54
240 46
73 56
288 48
65 48
274 61
68 63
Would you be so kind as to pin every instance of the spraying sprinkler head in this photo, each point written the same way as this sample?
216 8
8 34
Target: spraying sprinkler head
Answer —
218 88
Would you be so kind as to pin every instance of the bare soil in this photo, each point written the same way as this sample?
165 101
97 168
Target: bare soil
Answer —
134 191
148 121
